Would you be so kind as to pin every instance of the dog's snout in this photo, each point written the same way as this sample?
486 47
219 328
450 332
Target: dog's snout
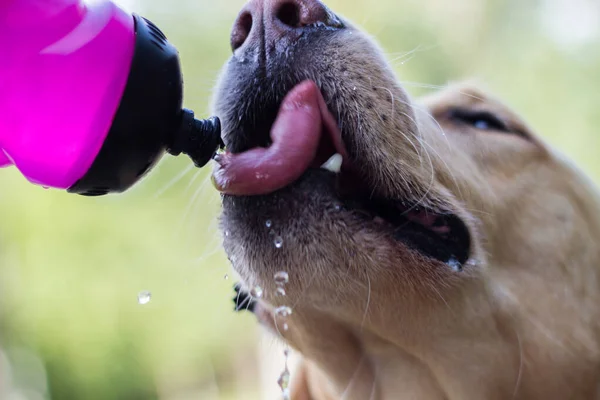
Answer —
266 21
290 14
242 29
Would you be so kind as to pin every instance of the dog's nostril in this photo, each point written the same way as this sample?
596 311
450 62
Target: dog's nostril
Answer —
241 30
289 14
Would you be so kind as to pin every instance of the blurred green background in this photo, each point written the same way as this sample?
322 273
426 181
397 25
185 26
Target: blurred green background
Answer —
71 267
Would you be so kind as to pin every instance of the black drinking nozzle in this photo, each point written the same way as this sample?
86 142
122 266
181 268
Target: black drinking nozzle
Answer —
150 120
199 139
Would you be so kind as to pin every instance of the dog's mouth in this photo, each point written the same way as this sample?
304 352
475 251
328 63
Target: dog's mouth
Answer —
435 234
440 235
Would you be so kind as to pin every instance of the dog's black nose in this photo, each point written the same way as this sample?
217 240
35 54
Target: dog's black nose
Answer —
268 21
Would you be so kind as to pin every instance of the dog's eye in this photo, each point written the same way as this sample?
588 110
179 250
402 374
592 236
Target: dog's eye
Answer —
482 120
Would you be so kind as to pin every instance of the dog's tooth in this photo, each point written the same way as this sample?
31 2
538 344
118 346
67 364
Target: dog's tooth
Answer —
334 164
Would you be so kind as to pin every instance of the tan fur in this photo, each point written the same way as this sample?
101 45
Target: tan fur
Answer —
376 321
527 326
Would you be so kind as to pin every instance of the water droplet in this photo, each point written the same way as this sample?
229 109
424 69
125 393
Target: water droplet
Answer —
454 264
282 278
257 292
269 223
472 262
284 382
337 207
285 327
283 311
144 297
354 88
280 292
278 242
284 379
226 276
227 233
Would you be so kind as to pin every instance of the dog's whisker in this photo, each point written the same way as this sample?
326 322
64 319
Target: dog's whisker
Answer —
429 148
362 324
392 118
520 372
199 205
426 151
187 221
208 254
346 391
403 61
477 211
423 85
410 53
173 181
373 390
440 87
436 291
190 206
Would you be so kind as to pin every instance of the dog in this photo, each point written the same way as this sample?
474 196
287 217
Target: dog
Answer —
452 255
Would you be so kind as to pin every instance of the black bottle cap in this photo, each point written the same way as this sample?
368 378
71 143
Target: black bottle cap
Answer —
149 120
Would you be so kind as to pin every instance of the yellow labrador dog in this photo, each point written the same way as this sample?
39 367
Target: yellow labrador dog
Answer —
442 251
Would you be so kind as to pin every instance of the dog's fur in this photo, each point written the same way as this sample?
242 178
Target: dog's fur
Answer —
375 320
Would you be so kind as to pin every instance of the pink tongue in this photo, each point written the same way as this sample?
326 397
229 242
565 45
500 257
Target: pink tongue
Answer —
296 134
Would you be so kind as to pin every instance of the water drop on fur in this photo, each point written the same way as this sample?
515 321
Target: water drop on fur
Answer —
284 383
226 277
282 278
227 233
257 292
268 223
283 311
472 262
144 297
454 264
284 378
280 292
278 242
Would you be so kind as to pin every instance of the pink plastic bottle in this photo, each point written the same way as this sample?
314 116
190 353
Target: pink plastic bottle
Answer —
90 96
